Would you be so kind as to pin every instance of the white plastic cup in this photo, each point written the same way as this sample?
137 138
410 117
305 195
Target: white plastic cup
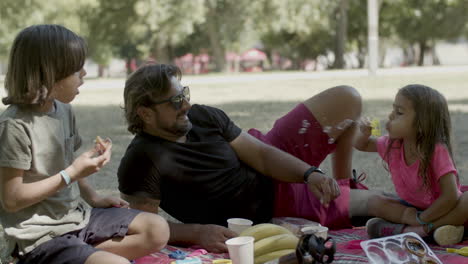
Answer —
318 231
239 224
241 249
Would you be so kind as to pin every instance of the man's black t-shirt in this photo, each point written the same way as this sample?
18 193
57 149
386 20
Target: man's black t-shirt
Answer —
201 180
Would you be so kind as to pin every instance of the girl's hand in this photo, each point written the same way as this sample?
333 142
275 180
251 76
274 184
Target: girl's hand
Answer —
364 140
365 127
109 201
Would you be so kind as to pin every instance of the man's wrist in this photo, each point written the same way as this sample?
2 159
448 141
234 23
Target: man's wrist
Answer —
311 170
186 233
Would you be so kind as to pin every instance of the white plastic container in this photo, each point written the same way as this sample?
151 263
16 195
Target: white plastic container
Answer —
239 224
399 249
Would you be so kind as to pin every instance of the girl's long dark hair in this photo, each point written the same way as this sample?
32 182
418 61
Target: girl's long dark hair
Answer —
432 124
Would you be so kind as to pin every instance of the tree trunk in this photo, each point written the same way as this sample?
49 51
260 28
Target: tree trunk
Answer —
170 54
217 47
101 70
128 63
412 52
422 51
341 34
161 52
382 53
296 64
237 65
361 56
435 57
409 55
275 61
316 63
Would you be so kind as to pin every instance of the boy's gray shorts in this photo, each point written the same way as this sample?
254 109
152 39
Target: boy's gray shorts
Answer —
75 247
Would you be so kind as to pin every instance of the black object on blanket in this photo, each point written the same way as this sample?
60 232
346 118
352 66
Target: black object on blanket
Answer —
315 250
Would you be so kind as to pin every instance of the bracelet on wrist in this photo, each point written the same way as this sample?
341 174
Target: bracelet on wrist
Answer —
65 177
419 219
310 171
430 226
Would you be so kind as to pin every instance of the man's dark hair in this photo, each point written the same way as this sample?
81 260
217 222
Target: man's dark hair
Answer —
143 87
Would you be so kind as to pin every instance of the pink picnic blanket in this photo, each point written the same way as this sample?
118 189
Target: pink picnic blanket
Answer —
348 251
162 257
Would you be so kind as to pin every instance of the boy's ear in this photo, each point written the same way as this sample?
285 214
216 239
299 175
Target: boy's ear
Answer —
53 91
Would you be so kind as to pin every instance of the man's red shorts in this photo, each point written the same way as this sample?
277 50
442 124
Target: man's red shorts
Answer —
301 135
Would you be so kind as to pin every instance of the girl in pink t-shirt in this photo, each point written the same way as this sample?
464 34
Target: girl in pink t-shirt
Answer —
418 155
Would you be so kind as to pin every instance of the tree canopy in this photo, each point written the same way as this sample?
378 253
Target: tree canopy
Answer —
298 30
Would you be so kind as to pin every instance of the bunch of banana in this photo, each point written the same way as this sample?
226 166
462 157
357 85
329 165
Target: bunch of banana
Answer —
271 241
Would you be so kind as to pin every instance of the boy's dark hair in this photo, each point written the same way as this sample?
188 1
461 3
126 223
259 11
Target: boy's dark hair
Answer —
41 55
146 84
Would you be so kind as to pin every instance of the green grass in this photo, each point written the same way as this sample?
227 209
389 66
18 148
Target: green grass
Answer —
252 101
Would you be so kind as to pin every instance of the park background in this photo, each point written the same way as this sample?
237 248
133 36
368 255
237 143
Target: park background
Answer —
308 46
206 36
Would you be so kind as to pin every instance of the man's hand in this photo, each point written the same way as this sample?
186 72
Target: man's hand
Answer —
212 238
323 187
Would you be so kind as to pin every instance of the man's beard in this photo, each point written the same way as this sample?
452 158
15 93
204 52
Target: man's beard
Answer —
182 129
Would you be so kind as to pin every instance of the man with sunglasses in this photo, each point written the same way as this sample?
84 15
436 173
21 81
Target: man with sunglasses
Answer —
198 166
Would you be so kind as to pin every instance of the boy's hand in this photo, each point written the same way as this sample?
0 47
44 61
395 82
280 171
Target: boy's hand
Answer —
89 163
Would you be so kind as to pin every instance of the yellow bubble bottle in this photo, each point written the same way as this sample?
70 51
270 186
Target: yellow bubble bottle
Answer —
461 251
375 124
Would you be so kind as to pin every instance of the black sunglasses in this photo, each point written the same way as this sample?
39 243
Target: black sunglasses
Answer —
177 100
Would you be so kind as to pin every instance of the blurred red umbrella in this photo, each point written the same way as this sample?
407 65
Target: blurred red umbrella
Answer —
254 55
